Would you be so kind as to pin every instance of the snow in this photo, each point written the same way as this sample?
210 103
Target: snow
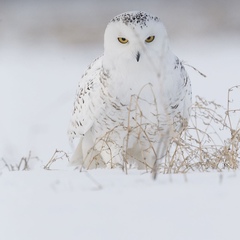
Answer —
38 83
108 204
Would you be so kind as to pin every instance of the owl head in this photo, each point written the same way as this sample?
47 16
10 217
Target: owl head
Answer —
135 36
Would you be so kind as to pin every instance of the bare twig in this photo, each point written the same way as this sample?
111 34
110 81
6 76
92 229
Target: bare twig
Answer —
57 155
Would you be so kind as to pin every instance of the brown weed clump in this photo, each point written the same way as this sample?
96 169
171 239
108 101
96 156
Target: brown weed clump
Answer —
210 142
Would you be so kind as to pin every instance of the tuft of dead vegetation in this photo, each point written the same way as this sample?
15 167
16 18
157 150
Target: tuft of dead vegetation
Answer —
57 155
24 164
210 142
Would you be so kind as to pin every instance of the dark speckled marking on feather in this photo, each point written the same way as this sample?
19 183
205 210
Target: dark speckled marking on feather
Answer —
135 18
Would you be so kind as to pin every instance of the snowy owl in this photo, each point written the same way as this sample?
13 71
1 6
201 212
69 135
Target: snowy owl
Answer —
131 101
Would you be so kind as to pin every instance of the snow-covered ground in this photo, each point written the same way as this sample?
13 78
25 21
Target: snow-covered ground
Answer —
105 204
38 83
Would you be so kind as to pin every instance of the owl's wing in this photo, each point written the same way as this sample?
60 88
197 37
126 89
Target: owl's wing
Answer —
88 102
183 98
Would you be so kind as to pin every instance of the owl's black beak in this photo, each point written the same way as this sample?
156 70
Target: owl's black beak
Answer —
138 56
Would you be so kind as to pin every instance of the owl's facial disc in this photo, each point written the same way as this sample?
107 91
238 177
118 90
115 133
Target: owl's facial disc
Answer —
134 37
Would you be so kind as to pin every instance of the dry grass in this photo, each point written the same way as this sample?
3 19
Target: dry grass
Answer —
211 142
57 155
24 164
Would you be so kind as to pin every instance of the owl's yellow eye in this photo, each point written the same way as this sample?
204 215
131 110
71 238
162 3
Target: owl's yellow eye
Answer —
150 39
122 40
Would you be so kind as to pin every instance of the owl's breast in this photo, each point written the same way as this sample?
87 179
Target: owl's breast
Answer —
133 80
